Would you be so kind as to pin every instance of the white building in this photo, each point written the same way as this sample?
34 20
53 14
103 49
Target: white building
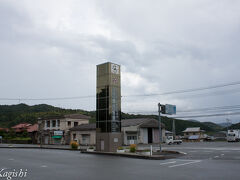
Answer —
135 131
55 130
141 131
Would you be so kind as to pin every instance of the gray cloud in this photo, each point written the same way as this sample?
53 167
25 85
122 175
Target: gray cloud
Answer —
51 50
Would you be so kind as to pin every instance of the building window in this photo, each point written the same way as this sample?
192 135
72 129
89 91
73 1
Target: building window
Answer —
69 123
58 123
75 124
74 136
54 123
131 137
48 123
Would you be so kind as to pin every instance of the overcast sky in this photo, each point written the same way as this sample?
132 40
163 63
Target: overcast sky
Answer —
50 48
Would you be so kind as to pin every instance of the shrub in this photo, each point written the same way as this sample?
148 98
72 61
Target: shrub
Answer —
74 145
91 147
120 148
133 148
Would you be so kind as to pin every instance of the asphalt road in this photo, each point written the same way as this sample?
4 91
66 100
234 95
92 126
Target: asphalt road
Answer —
220 160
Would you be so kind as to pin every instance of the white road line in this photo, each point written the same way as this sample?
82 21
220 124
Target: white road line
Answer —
43 166
197 161
182 152
222 154
171 162
11 159
216 156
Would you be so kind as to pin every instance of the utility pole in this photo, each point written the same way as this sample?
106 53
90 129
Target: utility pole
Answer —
173 129
40 131
228 122
159 126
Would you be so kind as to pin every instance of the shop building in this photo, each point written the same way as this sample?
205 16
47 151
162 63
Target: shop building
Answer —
55 130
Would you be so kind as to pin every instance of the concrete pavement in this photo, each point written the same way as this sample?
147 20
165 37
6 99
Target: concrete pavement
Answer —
203 161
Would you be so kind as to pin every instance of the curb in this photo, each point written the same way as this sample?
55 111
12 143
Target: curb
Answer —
12 147
136 156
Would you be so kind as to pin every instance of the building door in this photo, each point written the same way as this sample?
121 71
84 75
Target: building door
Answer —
145 135
46 140
102 145
86 139
150 136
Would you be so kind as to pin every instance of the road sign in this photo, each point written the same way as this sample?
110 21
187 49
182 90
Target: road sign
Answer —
0 137
168 109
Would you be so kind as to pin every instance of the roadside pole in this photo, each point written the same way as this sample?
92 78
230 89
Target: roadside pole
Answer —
41 140
159 126
173 129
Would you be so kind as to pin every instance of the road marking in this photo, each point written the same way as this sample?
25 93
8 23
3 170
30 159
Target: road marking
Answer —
196 161
222 154
11 159
182 152
171 162
216 156
43 166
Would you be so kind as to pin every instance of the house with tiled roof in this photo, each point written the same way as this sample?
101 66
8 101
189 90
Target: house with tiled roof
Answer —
21 127
193 133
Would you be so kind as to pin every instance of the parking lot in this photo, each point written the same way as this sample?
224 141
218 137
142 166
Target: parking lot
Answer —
203 160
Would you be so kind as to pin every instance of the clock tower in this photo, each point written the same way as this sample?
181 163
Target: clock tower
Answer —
108 111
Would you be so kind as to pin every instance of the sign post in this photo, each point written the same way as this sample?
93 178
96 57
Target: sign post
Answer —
164 109
159 127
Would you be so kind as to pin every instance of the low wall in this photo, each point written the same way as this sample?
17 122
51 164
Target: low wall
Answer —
8 141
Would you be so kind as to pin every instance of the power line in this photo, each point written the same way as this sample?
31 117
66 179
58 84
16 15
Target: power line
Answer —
232 107
46 99
137 95
207 115
189 90
199 116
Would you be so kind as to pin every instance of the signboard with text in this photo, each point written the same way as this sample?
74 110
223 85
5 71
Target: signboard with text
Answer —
58 133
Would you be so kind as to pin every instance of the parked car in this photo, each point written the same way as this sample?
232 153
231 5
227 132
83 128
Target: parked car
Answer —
170 140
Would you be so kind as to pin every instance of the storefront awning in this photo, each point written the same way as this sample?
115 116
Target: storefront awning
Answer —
131 132
56 137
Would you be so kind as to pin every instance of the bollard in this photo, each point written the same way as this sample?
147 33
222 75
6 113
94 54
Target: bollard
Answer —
151 150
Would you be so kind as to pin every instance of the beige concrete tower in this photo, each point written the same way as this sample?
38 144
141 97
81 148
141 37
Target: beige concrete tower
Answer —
108 112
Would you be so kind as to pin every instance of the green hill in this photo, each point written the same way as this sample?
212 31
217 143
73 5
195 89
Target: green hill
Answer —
180 125
234 126
11 115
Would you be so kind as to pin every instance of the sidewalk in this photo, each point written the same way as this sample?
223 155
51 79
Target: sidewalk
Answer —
37 146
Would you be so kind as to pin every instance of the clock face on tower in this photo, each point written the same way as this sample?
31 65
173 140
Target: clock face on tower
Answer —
115 69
